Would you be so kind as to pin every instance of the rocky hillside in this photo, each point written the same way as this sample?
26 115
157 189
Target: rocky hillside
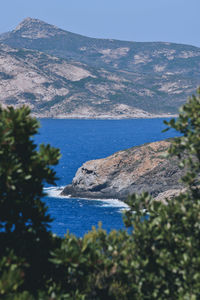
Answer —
62 74
135 170
55 87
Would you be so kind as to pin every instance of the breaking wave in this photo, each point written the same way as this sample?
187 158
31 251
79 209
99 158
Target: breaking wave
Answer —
54 192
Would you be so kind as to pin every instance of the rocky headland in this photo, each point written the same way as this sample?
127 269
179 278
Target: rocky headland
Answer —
135 170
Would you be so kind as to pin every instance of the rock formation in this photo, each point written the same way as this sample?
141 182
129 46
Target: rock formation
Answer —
135 170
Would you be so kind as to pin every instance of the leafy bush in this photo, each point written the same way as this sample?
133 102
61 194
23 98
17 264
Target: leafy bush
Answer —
23 171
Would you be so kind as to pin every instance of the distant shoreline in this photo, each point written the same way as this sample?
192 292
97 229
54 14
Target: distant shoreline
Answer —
62 117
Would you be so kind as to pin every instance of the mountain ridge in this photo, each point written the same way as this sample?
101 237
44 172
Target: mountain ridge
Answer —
123 79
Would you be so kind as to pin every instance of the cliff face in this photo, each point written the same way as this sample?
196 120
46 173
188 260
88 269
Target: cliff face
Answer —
135 170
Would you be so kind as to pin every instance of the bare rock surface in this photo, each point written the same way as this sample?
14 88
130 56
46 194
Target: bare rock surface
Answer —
135 170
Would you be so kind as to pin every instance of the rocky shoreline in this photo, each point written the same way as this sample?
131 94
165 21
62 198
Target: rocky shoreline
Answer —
135 170
105 117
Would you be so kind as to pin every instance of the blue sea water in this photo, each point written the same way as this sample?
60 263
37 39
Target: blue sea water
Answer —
83 140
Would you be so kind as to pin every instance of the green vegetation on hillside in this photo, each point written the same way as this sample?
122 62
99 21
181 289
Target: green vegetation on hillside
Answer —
157 258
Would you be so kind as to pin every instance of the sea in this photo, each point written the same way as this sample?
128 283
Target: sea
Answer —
80 141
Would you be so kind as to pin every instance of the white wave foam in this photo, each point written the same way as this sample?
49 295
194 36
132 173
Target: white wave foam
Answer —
114 203
55 193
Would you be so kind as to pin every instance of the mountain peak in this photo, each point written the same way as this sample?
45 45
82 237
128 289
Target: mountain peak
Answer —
29 21
35 28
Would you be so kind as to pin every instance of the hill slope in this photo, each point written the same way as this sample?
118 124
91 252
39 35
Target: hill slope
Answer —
54 87
113 78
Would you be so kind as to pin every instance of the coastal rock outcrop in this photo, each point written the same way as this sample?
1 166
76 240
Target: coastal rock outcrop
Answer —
135 170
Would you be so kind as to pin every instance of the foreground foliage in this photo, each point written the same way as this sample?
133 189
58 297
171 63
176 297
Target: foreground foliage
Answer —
158 257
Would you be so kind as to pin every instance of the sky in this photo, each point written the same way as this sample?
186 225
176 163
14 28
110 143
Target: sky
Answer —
132 20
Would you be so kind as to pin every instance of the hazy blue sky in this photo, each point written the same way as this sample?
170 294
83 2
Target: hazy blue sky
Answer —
136 20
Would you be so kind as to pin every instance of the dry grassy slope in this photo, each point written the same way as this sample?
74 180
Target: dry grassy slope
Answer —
135 170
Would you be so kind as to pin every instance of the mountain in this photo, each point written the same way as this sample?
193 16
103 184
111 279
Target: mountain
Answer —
55 87
78 76
135 170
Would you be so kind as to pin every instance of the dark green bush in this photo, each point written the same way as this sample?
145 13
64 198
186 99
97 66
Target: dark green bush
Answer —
23 171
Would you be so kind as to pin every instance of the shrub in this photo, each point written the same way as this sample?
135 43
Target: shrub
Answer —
23 171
